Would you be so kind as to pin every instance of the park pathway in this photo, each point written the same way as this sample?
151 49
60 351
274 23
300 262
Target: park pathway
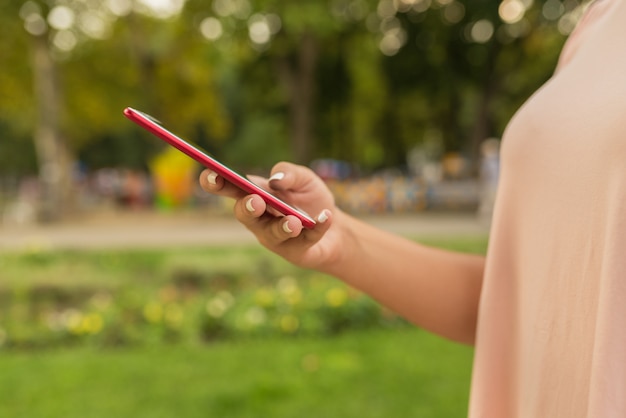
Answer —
154 230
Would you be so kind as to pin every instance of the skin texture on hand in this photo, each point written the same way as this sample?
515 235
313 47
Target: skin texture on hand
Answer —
299 186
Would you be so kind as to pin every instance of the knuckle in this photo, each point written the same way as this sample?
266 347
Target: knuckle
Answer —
283 166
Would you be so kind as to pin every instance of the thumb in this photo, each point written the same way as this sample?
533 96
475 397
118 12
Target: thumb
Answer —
288 176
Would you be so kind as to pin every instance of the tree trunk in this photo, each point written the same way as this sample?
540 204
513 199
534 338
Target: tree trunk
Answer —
146 63
483 122
53 155
299 79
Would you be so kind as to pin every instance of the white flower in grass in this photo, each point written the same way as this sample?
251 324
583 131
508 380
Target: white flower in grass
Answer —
217 306
255 316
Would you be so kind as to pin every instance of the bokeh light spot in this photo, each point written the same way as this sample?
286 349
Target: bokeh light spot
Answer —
61 18
211 28
481 31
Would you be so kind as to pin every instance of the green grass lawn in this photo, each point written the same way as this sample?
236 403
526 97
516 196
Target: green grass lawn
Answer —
375 372
111 268
380 373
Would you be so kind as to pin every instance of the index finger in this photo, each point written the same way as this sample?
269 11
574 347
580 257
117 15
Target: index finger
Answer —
213 183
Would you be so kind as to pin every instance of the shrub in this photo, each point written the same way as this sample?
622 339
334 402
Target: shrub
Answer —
185 310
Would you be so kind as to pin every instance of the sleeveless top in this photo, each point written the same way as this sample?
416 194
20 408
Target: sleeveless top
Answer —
551 338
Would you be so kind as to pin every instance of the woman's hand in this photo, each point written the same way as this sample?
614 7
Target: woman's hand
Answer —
319 247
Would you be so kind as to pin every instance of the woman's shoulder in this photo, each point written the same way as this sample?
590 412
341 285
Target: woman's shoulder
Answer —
590 19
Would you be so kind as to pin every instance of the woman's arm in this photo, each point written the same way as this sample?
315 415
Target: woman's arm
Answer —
436 289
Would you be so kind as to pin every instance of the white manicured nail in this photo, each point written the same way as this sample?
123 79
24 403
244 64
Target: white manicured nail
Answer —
277 176
212 177
323 217
249 205
286 227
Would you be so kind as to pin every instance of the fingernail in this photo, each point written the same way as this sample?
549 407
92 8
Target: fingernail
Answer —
323 217
249 205
277 176
212 177
286 227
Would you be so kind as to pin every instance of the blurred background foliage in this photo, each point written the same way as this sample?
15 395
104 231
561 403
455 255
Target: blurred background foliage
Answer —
258 81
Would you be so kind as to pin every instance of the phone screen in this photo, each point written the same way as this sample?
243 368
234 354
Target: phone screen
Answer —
155 127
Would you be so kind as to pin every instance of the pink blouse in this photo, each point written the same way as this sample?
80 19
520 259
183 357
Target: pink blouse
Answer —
551 339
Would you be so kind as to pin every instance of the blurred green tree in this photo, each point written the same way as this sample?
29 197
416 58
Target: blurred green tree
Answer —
387 75
16 104
279 46
464 67
257 81
43 22
75 65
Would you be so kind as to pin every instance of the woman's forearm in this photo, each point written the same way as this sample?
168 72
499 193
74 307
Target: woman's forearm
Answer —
437 290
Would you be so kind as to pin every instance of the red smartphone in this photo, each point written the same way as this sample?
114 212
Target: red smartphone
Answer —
152 125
